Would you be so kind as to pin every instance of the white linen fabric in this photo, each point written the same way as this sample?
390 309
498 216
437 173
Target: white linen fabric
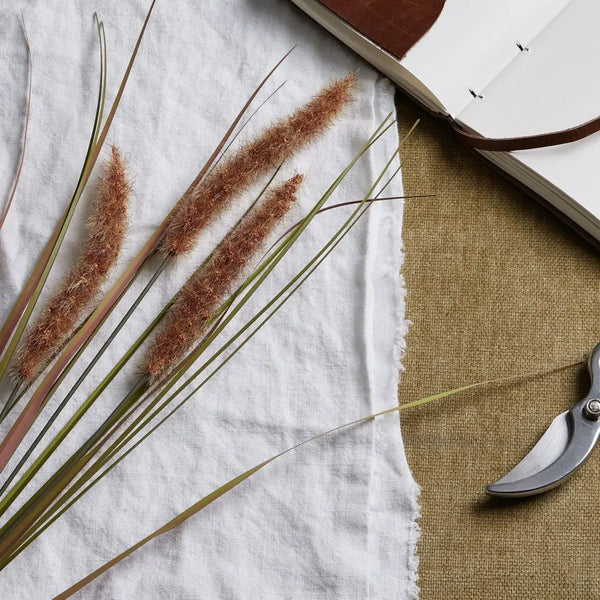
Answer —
335 519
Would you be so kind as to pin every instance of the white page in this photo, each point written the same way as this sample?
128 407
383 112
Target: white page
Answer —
553 86
472 41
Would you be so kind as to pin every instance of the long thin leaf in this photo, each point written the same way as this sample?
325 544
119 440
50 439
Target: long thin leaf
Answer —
25 128
245 123
302 276
26 516
353 203
18 525
17 319
181 518
72 422
257 278
22 386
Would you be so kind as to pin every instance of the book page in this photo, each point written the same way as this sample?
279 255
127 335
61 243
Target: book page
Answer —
554 85
472 41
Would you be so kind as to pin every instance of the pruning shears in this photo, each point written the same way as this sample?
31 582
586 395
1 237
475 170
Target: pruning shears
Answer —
565 446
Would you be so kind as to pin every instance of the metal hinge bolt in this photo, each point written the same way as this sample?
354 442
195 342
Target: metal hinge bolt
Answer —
592 409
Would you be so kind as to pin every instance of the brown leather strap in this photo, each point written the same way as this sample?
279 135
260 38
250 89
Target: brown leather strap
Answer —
396 25
541 140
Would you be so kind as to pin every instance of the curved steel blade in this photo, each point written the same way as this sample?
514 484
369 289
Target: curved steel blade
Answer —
565 446
548 449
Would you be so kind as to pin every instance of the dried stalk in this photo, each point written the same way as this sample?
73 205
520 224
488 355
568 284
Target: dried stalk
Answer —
14 532
79 341
214 277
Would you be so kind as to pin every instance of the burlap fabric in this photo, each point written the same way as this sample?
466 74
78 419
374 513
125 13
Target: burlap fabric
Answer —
496 286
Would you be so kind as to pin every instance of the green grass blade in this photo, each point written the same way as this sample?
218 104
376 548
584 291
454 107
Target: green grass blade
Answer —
19 316
243 125
95 130
259 276
293 237
138 425
105 382
193 510
95 145
103 71
41 460
26 516
18 525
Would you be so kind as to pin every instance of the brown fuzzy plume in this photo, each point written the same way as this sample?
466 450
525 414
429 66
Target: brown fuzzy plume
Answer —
100 250
198 208
207 288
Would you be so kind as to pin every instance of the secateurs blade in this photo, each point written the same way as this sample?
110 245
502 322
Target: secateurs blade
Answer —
565 446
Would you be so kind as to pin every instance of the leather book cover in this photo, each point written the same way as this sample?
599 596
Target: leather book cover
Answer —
395 25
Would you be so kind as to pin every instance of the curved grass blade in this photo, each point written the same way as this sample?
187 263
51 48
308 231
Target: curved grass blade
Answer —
18 317
136 427
25 128
41 460
103 69
181 518
259 276
56 240
76 385
25 303
240 478
352 203
243 125
206 501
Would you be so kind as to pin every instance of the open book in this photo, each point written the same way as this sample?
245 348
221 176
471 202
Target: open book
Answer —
496 69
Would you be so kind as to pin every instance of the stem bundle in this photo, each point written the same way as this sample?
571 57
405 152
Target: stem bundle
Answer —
192 320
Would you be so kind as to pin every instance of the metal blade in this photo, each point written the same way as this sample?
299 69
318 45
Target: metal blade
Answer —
564 447
550 446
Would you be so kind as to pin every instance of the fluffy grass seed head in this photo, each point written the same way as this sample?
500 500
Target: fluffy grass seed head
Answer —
277 143
100 250
209 285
